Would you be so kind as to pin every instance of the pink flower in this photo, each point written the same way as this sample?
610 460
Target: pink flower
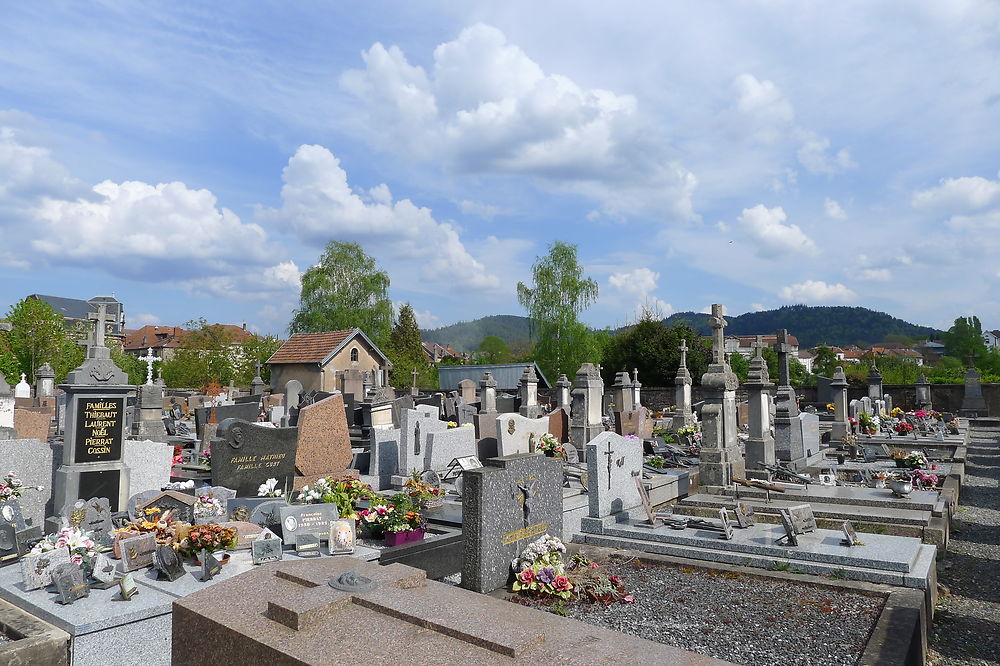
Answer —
526 576
561 583
617 580
61 542
594 565
77 558
628 598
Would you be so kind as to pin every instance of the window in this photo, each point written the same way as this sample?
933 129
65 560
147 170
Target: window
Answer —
354 355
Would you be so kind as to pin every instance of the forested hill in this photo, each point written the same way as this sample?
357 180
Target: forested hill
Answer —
465 336
814 325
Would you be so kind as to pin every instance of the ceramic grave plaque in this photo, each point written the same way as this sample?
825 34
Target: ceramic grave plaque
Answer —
245 533
168 563
307 545
727 527
307 519
850 535
70 582
342 536
210 566
10 514
105 572
9 546
137 552
744 515
651 518
36 569
127 587
93 515
266 548
802 518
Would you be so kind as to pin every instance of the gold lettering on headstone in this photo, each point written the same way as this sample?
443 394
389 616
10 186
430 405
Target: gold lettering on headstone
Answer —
524 533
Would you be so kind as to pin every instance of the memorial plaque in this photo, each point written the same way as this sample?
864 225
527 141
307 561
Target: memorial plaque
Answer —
802 518
790 534
9 547
744 515
307 519
168 563
10 514
36 569
727 527
102 483
307 545
210 566
99 428
127 587
342 536
104 572
137 551
93 515
266 548
245 455
70 582
850 535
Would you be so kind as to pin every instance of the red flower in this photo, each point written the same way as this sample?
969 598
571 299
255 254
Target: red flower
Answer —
561 583
594 565
526 576
616 580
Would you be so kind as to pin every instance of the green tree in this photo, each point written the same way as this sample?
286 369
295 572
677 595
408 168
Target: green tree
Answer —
407 353
37 336
653 348
493 349
130 365
554 302
344 290
826 362
965 339
740 365
796 371
252 349
207 352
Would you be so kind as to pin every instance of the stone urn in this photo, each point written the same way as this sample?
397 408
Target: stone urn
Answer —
901 488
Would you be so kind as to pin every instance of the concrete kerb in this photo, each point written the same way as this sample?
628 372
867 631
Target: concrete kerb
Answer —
34 641
900 633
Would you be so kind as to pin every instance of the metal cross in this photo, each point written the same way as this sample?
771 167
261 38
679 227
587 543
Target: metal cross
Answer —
101 318
149 359
609 454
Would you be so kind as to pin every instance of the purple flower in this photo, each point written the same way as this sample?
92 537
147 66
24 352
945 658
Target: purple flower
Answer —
547 575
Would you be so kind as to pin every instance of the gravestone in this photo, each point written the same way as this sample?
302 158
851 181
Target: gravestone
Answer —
809 424
612 462
45 381
467 388
384 458
445 446
562 395
585 416
559 424
787 428
760 443
721 459
32 424
518 434
7 407
466 414
245 455
149 425
324 443
973 402
32 460
874 380
838 393
312 519
507 504
247 411
93 515
416 424
923 393
528 393
622 394
149 464
682 391
23 388
486 419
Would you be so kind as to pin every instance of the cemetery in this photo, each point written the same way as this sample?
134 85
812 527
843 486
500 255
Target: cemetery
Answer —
574 525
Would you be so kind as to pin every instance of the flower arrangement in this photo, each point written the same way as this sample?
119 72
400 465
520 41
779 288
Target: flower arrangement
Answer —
656 461
540 569
206 505
419 490
921 414
915 459
867 423
922 479
594 585
902 428
343 492
830 407
398 515
937 416
452 424
897 454
82 548
178 456
210 537
269 489
689 430
11 487
550 446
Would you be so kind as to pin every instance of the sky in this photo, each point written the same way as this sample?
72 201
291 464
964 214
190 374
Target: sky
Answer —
194 160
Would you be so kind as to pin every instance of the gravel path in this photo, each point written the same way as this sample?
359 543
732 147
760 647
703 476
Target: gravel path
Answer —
742 619
967 623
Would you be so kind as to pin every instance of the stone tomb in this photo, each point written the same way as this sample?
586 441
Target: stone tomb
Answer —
248 411
613 462
245 455
149 464
507 504
416 424
384 458
324 443
314 611
519 434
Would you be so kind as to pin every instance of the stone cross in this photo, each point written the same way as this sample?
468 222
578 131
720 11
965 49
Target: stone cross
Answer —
149 359
758 347
783 349
717 323
684 353
257 366
101 318
415 374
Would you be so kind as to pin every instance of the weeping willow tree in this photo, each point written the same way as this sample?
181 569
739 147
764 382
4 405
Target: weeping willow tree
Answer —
344 290
554 302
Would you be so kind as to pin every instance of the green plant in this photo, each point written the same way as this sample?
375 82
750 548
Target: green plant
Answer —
559 608
656 461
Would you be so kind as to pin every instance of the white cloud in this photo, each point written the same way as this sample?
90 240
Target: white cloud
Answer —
281 280
485 211
767 229
965 193
637 286
487 107
817 291
834 210
764 105
875 274
814 157
758 307
143 319
426 319
318 205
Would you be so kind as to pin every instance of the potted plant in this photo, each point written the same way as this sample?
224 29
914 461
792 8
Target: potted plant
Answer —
398 519
656 461
867 423
914 460
902 428
879 479
423 494
211 537
924 480
898 456
345 493
551 447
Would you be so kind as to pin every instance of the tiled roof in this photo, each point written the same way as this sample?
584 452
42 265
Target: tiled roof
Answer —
157 337
310 347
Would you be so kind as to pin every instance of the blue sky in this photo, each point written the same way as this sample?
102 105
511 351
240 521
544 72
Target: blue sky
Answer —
194 160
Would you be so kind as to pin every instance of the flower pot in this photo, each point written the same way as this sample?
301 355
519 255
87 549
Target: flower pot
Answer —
433 503
901 488
879 483
399 538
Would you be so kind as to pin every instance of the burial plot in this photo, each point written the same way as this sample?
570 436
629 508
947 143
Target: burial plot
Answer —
506 504
245 455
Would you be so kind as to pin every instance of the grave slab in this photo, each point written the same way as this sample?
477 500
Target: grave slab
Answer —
149 464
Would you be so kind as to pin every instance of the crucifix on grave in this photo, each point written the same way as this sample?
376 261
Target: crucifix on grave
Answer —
610 453
718 324
149 359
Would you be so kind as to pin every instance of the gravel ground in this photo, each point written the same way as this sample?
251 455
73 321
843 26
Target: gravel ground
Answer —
742 619
967 622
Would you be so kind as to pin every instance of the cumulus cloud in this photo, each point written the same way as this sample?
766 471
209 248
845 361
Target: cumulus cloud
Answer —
486 106
967 193
426 319
758 307
875 275
318 205
815 156
637 286
834 210
144 319
767 229
479 209
817 292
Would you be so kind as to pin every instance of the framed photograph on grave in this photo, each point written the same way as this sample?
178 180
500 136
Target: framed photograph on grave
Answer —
468 462
127 587
70 582
168 563
307 519
10 514
342 536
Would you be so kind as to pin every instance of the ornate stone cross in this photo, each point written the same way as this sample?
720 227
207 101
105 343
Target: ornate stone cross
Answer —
101 318
148 359
758 347
415 374
717 323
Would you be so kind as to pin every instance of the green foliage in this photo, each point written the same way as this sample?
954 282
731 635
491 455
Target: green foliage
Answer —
37 336
826 362
740 366
813 325
253 349
209 352
558 295
965 339
796 371
653 349
466 335
407 353
344 290
493 349
130 365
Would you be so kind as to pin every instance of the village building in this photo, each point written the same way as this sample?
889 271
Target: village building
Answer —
319 360
75 313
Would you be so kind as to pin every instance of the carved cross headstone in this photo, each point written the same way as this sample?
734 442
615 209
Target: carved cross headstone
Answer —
102 319
718 324
415 375
149 359
684 351
783 348
758 347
